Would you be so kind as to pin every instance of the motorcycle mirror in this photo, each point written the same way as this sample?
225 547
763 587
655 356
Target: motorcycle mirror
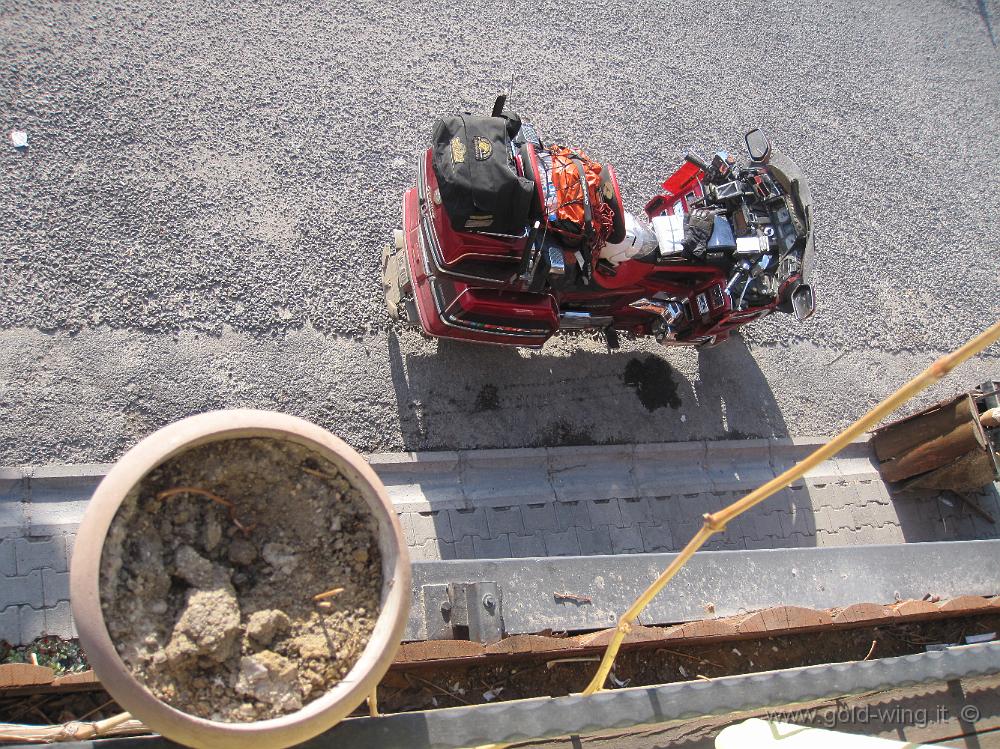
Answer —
758 146
803 302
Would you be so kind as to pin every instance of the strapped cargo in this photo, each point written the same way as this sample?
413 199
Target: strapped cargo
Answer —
579 197
576 208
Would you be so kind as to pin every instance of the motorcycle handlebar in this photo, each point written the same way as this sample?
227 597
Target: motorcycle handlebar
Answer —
697 161
742 271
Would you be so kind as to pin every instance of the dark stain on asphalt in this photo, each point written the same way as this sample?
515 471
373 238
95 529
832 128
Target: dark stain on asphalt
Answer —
562 434
653 380
488 399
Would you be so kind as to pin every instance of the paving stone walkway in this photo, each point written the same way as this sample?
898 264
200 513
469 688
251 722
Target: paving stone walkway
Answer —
533 503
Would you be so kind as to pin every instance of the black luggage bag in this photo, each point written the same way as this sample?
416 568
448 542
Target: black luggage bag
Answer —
480 187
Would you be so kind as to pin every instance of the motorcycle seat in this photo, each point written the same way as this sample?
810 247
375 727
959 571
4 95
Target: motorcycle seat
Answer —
613 197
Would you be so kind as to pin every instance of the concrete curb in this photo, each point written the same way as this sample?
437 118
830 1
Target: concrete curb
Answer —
432 481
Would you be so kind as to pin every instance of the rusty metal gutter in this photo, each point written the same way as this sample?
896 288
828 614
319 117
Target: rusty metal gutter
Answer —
770 622
25 679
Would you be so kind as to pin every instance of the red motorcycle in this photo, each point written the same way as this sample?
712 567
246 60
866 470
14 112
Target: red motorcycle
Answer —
507 240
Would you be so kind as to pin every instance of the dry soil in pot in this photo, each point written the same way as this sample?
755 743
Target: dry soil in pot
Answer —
210 569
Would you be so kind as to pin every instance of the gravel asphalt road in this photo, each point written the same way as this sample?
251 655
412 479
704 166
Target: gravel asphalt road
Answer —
196 221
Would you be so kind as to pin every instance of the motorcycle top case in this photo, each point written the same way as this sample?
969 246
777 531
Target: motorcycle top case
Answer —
480 187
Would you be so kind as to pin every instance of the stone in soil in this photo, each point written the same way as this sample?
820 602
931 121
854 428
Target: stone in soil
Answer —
271 678
264 625
209 627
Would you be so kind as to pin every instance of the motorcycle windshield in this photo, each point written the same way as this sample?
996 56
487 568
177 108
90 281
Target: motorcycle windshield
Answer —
790 177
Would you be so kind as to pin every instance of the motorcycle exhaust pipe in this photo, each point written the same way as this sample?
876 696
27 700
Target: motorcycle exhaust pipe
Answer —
669 312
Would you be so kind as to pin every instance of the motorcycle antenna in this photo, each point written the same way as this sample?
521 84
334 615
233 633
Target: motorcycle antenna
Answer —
510 88
504 99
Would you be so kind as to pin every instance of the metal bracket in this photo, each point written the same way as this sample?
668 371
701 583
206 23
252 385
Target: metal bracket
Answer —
463 611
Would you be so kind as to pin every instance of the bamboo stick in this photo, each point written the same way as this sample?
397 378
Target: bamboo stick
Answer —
123 723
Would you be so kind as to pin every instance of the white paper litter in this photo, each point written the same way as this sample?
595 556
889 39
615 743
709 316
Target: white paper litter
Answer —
939 646
618 682
986 637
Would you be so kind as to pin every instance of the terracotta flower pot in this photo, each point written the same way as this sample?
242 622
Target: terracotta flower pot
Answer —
319 714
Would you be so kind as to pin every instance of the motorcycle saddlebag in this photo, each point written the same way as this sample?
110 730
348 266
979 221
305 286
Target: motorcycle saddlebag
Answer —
480 187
